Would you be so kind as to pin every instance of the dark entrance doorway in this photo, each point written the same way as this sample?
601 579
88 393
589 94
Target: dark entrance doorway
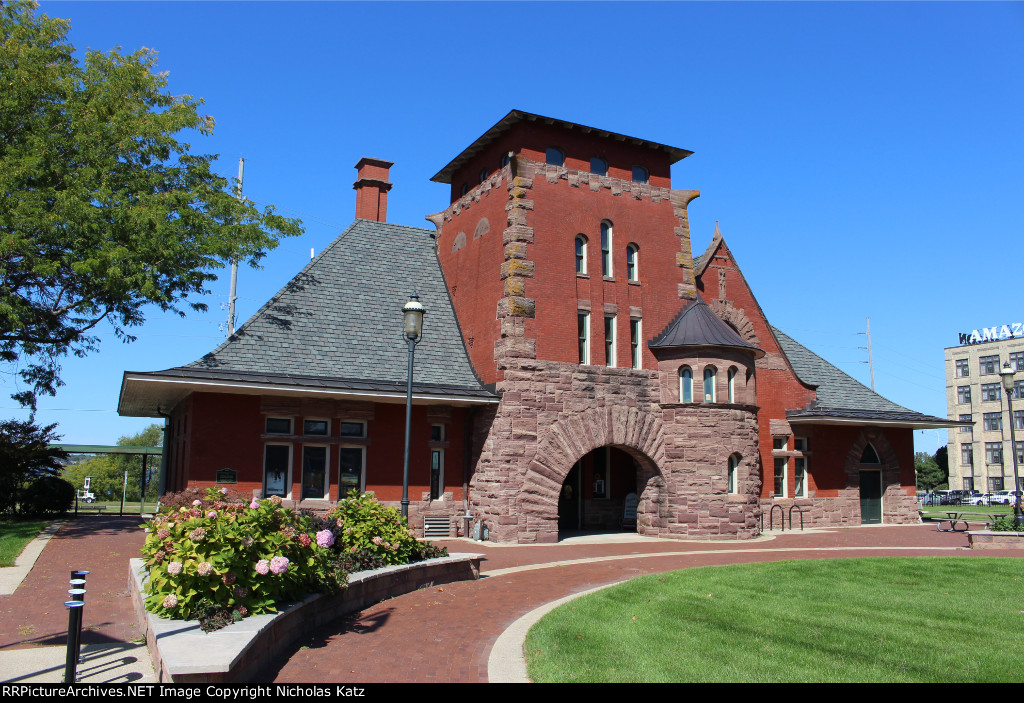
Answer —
870 497
596 491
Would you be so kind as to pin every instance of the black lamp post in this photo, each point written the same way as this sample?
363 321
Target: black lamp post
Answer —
412 333
1007 374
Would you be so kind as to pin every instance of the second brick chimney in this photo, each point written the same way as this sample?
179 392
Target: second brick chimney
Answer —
372 188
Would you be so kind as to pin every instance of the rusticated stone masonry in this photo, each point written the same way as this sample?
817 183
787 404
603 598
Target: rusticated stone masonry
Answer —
552 414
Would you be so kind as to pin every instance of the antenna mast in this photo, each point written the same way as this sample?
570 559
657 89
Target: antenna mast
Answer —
870 362
232 297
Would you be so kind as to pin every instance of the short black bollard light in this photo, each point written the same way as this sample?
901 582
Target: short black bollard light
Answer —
77 593
74 623
80 574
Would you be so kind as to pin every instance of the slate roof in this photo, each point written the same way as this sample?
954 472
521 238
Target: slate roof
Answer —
841 396
697 325
338 324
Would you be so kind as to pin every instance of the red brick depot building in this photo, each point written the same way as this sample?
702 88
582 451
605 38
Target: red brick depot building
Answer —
579 369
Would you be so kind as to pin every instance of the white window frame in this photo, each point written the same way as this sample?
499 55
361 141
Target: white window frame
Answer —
610 350
326 495
800 466
583 343
704 384
633 269
732 477
682 384
731 376
635 335
580 254
288 470
362 468
607 246
785 475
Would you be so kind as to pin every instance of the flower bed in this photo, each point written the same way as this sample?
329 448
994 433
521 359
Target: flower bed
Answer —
218 558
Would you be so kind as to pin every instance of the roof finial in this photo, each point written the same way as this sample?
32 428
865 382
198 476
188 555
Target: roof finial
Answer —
718 232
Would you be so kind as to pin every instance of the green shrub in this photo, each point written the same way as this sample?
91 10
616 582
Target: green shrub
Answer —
231 556
48 495
364 526
1006 523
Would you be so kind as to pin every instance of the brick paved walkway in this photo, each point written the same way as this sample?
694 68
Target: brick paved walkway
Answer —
439 634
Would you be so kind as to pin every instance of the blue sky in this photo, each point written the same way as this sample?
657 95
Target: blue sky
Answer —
862 159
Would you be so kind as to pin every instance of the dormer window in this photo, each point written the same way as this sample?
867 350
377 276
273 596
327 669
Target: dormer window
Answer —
640 174
554 156
598 166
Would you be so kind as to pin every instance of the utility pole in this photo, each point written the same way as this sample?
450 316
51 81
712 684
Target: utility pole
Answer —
234 262
869 362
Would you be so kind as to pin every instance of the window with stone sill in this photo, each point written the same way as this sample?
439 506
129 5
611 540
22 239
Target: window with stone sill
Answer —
732 383
609 340
632 261
581 254
966 454
966 418
598 166
988 365
963 395
685 385
634 342
606 248
992 422
779 486
995 483
710 376
963 368
553 156
1018 419
991 391
1017 361
640 174
993 452
800 468
583 334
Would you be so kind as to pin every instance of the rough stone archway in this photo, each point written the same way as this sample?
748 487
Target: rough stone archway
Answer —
572 437
897 508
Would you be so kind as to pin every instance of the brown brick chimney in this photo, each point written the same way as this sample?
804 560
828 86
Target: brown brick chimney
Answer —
372 188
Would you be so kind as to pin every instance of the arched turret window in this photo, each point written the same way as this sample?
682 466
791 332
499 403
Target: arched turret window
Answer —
685 385
710 372
732 384
734 465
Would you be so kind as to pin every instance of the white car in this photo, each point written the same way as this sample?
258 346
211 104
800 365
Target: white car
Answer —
981 499
1005 497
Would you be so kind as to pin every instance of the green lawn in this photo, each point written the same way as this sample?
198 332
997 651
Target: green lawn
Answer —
14 536
937 619
938 511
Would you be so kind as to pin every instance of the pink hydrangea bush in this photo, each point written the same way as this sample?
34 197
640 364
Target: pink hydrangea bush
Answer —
233 556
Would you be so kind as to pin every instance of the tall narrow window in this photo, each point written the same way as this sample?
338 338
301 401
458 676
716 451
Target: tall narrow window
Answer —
314 472
277 458
609 340
606 248
709 384
732 384
598 166
734 463
631 263
554 156
583 331
351 461
685 385
800 468
634 342
581 254
779 486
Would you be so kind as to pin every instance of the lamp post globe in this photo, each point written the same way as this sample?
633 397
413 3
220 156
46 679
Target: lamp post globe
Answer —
1007 374
412 332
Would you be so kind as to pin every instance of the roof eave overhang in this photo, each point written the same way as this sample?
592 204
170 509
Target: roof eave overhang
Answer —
515 116
756 352
925 423
152 395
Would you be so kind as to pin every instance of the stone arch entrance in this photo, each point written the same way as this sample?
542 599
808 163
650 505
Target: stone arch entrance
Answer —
876 483
562 444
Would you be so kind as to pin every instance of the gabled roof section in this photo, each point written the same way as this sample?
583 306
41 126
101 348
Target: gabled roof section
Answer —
516 116
841 398
341 316
337 327
697 325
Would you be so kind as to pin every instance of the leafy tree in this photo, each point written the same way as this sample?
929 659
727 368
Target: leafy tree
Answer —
107 471
102 210
25 456
930 475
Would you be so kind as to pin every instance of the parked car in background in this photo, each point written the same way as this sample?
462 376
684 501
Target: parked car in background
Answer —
930 499
1005 497
981 499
